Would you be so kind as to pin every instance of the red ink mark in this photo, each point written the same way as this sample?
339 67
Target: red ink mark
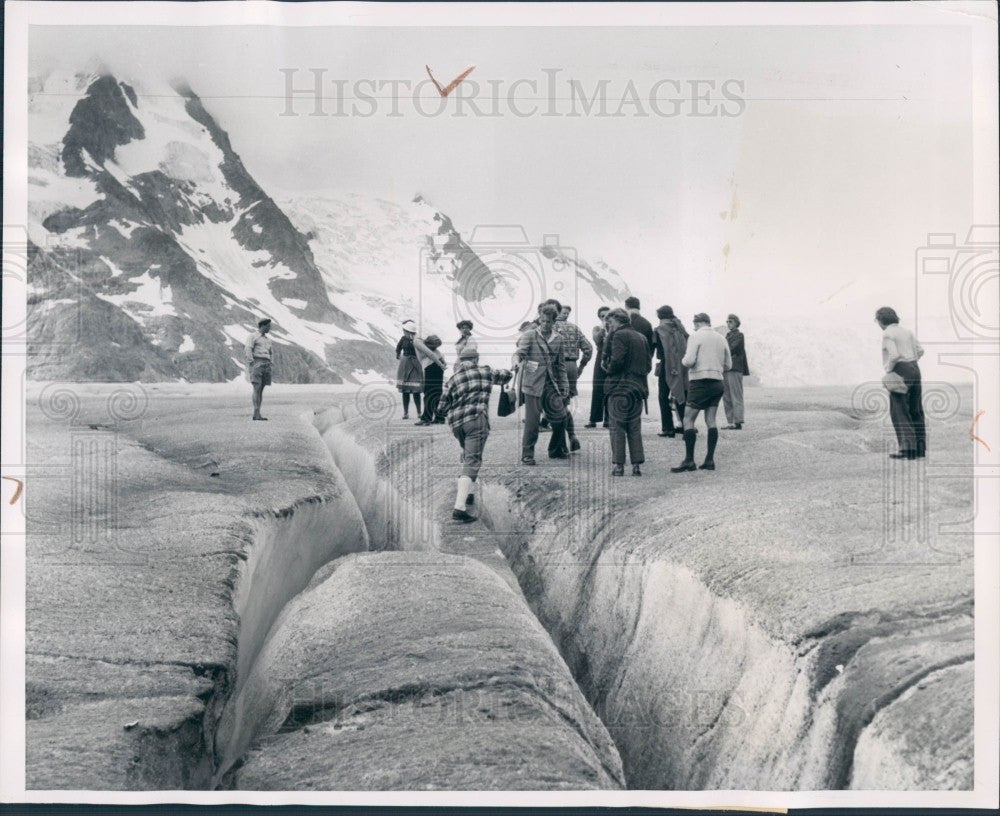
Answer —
454 82
975 438
17 491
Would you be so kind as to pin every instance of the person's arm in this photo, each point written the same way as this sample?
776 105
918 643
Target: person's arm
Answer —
691 353
524 344
658 349
248 349
444 401
890 352
616 361
727 363
559 369
399 347
500 376
584 345
919 349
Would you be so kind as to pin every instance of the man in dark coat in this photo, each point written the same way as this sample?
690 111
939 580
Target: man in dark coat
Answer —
639 323
732 397
599 332
627 363
670 343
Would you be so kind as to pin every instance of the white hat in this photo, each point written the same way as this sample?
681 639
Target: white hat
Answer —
410 326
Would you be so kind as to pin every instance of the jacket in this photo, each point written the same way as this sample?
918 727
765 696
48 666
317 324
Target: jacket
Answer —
738 351
574 341
542 360
426 354
707 355
627 363
671 343
645 329
599 334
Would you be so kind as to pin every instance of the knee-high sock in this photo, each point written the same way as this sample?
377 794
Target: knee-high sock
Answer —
406 402
689 438
713 438
464 489
416 401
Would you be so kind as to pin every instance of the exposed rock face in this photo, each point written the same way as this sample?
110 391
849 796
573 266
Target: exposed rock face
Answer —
139 197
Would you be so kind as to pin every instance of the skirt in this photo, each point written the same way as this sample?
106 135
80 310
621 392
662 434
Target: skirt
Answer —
409 375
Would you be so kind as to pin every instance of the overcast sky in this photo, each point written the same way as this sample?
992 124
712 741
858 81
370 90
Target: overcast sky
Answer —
854 143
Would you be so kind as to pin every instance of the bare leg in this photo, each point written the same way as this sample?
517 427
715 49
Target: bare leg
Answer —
258 397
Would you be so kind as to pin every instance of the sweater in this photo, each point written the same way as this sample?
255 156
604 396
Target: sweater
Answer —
707 355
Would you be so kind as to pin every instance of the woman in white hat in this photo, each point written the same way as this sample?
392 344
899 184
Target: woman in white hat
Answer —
409 372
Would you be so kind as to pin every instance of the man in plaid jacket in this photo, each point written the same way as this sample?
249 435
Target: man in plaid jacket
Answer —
466 401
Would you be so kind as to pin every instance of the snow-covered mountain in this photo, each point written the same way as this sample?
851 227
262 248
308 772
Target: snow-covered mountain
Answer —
153 251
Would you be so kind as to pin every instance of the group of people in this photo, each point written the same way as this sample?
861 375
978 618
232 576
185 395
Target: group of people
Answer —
694 372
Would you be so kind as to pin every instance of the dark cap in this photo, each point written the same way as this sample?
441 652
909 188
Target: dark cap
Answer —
264 321
463 324
701 317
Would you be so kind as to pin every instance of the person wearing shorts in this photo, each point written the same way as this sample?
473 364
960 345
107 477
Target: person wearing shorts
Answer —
258 354
707 359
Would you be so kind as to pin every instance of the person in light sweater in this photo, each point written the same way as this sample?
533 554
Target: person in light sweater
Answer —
900 352
707 359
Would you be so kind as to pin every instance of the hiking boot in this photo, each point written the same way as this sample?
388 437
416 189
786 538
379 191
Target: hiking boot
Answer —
618 470
259 418
708 465
421 422
462 516
574 444
559 455
528 460
683 467
670 434
636 470
906 454
590 425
